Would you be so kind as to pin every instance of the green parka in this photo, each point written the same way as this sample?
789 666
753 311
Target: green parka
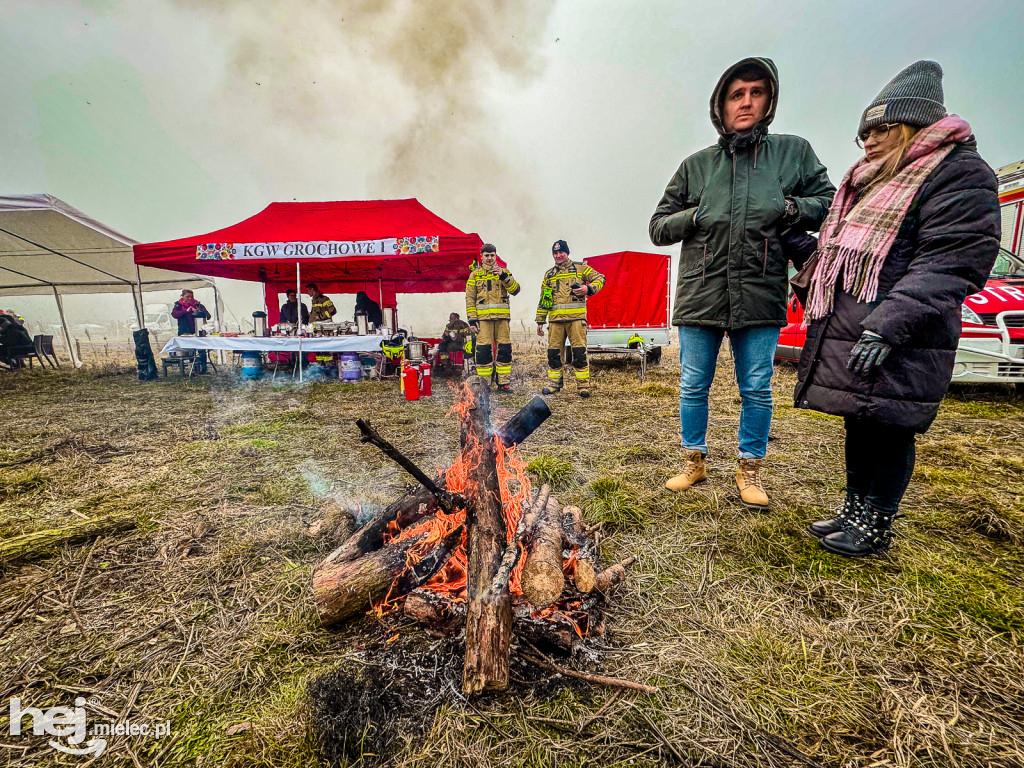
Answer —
732 271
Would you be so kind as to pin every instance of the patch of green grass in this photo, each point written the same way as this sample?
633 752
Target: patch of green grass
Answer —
942 477
21 481
616 503
653 389
259 442
966 590
558 473
281 491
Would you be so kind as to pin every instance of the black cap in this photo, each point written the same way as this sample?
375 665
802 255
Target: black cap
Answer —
560 245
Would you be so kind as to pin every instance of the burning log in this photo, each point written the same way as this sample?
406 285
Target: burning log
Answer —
447 500
527 523
543 577
488 615
575 539
608 579
437 612
408 510
422 502
343 589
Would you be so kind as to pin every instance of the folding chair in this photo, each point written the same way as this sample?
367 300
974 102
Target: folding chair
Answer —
44 350
28 353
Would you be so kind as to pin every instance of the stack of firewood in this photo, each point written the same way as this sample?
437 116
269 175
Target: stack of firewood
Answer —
532 569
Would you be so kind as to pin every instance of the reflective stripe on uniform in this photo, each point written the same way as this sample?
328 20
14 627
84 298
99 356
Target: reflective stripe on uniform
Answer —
491 306
555 375
581 375
576 305
484 370
503 368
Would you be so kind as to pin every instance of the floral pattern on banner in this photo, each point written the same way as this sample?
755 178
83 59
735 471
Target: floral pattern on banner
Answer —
215 251
406 245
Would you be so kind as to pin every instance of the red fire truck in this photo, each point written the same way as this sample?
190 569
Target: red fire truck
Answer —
992 343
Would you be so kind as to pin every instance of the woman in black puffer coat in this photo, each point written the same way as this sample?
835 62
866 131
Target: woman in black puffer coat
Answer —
913 230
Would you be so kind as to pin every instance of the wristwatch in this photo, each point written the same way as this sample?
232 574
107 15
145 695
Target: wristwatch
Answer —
792 211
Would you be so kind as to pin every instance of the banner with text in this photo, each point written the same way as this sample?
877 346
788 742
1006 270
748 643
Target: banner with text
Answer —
321 249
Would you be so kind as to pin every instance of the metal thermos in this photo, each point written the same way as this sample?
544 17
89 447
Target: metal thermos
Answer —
362 323
259 322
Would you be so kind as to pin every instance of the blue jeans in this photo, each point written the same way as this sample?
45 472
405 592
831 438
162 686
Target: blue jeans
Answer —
753 350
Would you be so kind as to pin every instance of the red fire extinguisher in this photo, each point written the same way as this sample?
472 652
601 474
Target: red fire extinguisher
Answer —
425 379
411 382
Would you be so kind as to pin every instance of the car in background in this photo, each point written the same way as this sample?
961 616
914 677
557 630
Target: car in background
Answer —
158 319
991 347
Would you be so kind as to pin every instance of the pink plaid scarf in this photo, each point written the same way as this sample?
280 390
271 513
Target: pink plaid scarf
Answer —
855 239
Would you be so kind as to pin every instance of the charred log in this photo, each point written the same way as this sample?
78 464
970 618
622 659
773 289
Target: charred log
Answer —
435 611
527 522
608 579
488 615
410 509
447 500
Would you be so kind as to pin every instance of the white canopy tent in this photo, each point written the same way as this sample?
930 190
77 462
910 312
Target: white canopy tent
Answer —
50 247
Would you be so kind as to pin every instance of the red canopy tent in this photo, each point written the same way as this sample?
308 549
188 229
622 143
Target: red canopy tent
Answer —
636 291
383 247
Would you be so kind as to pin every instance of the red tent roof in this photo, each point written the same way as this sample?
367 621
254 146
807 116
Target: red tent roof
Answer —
344 246
635 293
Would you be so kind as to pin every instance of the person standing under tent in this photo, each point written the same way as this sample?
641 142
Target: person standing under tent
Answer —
913 230
290 308
487 311
729 205
185 311
367 306
322 309
563 305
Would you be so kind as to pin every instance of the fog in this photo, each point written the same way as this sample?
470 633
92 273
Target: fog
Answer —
522 121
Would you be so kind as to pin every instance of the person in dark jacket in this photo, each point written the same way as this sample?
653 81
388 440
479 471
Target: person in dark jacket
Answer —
728 205
290 308
186 310
913 230
14 341
369 307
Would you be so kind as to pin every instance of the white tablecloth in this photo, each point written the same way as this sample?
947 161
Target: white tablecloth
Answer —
275 343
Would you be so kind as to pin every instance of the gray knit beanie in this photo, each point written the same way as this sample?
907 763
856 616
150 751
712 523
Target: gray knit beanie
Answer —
913 97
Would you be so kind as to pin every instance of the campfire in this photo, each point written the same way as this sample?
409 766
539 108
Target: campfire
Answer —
475 548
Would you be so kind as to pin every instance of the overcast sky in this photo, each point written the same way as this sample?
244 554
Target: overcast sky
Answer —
525 122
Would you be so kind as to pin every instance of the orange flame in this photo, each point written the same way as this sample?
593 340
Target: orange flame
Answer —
515 489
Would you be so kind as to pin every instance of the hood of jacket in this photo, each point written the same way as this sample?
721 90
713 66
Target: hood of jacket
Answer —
730 140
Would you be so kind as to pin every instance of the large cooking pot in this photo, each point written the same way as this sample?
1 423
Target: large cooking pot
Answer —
415 350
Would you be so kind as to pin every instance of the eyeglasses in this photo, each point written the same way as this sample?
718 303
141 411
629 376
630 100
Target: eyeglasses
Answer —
878 132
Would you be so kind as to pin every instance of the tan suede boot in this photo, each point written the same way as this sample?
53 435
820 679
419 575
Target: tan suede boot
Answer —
693 472
748 480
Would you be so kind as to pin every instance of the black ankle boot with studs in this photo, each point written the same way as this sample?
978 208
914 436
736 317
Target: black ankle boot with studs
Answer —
870 534
847 514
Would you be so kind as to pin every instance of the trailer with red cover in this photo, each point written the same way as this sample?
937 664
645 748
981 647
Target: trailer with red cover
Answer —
630 315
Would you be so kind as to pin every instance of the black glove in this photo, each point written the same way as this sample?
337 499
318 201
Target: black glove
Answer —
869 351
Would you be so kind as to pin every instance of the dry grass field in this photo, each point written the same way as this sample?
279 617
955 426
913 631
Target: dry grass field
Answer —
767 651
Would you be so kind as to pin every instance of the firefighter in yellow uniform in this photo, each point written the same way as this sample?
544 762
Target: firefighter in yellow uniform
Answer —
487 311
563 305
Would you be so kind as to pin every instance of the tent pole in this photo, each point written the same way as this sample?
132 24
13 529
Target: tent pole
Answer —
216 319
298 311
138 302
67 334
